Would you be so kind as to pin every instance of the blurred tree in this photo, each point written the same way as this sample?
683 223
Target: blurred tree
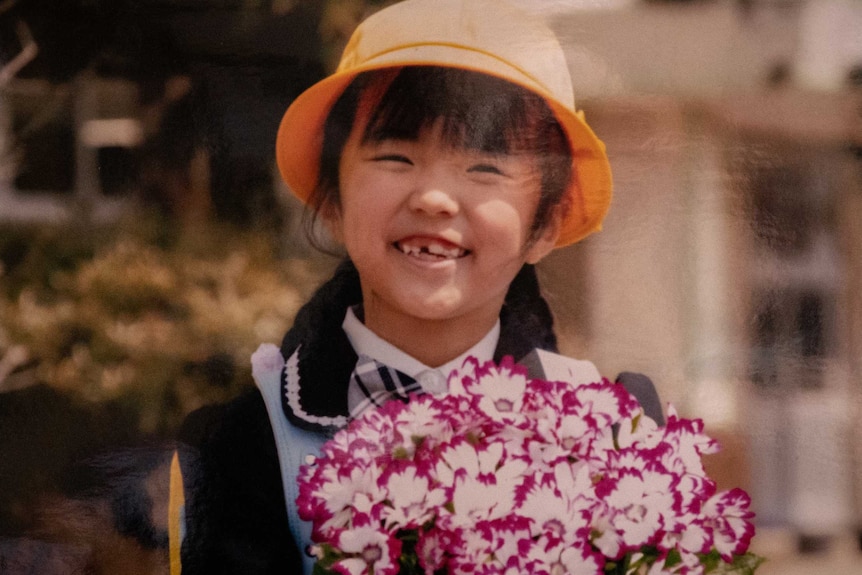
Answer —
68 33
246 61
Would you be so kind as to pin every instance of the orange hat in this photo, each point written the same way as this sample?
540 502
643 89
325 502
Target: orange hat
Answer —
487 36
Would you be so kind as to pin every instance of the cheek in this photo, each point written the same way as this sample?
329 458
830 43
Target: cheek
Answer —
356 205
505 223
369 195
363 225
353 231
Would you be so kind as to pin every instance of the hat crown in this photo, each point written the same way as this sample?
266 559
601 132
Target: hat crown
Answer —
494 29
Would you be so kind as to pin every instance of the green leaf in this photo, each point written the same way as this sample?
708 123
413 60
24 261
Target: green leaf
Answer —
745 564
673 559
324 564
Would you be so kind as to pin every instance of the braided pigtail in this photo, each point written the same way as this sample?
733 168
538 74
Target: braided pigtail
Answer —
526 321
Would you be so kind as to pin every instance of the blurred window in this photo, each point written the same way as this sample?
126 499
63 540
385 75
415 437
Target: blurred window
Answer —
794 270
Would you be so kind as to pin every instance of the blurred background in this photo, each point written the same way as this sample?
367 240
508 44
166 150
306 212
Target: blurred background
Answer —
147 246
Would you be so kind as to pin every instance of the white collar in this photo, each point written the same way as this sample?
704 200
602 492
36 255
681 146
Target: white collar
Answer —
366 342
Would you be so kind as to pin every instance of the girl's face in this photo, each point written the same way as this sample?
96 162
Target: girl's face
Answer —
437 233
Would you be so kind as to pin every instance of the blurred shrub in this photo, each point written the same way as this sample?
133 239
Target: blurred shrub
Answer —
161 320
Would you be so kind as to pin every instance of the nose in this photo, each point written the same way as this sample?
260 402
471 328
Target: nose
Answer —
434 199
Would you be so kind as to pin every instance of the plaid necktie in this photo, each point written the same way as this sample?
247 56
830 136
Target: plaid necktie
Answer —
373 384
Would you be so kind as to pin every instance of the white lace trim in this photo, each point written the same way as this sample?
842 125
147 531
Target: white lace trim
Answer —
291 374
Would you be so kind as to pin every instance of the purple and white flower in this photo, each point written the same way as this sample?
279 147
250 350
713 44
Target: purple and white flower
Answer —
508 475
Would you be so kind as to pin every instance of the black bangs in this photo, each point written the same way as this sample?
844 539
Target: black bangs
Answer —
477 111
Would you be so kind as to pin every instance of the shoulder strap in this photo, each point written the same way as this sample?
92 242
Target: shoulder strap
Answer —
543 364
294 445
644 391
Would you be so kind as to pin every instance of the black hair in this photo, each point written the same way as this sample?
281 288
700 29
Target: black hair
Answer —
478 112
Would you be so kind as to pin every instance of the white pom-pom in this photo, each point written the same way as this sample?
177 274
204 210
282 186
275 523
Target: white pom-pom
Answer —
266 361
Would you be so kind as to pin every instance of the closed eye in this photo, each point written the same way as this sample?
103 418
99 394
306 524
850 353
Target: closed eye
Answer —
393 158
486 169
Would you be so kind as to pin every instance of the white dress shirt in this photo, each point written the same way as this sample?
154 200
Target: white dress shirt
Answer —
432 379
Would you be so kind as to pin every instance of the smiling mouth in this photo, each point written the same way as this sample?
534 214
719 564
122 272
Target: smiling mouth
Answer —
430 249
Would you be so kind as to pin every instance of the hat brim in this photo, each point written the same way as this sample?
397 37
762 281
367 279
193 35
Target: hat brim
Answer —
300 135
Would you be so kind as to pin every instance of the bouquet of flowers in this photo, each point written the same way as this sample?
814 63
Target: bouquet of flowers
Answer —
508 475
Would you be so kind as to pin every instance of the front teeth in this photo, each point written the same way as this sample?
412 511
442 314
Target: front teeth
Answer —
435 250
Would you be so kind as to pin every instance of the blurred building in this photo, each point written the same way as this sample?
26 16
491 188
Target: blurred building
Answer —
730 266
106 104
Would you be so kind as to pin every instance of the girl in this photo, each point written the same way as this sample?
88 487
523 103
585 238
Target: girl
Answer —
447 157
